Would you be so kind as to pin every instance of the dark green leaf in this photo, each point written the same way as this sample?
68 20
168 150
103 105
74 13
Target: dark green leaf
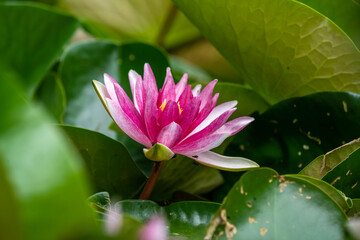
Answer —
355 210
326 163
32 37
292 133
282 48
345 176
184 174
51 94
44 171
264 205
110 165
102 199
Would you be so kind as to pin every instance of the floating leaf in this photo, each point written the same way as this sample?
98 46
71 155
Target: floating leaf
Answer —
282 48
110 165
264 205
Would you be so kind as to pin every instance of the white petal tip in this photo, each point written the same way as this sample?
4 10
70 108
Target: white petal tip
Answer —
233 164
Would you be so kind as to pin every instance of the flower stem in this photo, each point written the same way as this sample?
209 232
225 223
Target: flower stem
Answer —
150 184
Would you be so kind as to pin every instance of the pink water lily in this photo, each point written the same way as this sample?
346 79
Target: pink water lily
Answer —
175 119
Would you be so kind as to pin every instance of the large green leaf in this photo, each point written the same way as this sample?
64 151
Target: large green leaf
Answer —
51 93
327 162
87 61
345 176
346 14
32 37
289 135
355 210
183 174
186 220
264 205
109 163
44 171
10 223
282 48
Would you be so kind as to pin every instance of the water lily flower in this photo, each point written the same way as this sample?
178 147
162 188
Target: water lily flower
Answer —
154 229
177 119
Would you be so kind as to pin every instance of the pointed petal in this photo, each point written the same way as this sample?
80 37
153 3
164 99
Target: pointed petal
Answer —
110 84
168 89
151 117
102 93
235 126
189 113
214 114
196 90
210 128
128 107
201 145
126 124
150 82
218 161
185 97
137 90
206 93
180 86
170 135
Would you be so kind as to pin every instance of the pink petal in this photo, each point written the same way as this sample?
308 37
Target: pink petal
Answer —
185 97
203 113
215 113
168 89
128 107
155 229
151 117
210 128
126 124
170 113
180 86
110 84
189 113
137 90
150 82
206 93
218 161
170 135
201 145
235 126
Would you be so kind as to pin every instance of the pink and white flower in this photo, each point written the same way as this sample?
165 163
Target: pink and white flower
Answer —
175 119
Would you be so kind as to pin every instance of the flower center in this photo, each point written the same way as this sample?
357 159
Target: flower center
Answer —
163 105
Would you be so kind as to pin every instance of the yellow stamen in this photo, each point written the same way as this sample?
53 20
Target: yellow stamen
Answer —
180 110
162 106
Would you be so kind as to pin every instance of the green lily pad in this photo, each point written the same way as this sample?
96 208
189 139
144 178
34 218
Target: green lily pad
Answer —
264 205
109 164
45 173
87 61
345 176
281 48
355 210
289 135
32 38
327 162
346 14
